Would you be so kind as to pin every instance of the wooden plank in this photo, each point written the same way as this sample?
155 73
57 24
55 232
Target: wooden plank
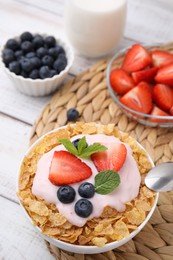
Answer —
13 144
19 240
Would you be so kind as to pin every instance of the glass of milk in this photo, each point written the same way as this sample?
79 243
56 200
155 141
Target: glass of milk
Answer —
95 27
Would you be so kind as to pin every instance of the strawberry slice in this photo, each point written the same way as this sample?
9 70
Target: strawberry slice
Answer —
159 112
165 75
112 159
144 75
137 58
163 96
66 169
171 111
161 58
139 99
121 81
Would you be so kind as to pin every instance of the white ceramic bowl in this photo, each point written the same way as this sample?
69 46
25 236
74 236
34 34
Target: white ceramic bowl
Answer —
40 87
89 249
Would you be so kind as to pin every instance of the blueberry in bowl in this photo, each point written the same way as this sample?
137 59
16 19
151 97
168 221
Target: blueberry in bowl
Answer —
37 64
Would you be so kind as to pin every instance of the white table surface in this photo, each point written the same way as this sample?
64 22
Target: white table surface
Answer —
147 21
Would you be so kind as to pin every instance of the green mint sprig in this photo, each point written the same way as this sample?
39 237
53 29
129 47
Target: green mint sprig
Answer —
106 182
82 149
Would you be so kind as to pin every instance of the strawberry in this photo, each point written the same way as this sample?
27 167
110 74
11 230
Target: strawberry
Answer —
137 58
139 99
159 112
171 111
112 159
161 58
121 81
163 96
165 75
144 75
146 85
66 169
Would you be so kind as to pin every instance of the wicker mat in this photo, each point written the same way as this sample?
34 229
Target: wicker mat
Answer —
88 93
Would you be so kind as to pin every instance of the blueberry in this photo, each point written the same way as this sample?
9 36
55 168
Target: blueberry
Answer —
44 72
83 208
53 52
36 62
52 73
34 74
50 41
26 36
72 114
30 54
7 58
38 41
41 52
63 58
60 49
66 194
26 64
26 46
14 66
24 74
47 60
18 54
75 142
86 190
12 44
7 51
59 65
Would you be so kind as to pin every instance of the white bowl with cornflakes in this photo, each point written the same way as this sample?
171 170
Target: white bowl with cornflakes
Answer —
121 226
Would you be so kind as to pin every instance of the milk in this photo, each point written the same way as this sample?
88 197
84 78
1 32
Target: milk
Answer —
95 27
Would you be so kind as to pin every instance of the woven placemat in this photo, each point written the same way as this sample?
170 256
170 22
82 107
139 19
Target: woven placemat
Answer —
88 93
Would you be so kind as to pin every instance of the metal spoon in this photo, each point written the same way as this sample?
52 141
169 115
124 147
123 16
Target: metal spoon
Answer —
160 178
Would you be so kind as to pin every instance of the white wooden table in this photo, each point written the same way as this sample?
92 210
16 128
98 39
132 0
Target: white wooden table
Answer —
147 21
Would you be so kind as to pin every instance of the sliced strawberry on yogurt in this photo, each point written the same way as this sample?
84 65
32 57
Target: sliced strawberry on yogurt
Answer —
67 169
112 159
161 58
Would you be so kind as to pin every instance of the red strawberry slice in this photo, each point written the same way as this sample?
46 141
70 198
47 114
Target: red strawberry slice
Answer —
146 85
121 81
66 169
163 96
159 112
161 58
139 99
165 75
171 111
144 75
137 58
112 159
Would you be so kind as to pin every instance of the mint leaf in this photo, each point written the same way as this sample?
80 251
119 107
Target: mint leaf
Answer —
81 145
69 146
106 182
94 148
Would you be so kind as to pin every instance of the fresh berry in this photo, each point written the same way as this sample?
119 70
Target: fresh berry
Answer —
34 74
12 44
161 58
14 66
7 51
139 99
36 62
26 36
53 73
8 57
111 159
59 65
83 208
75 143
47 60
86 190
144 75
26 46
62 57
171 111
24 74
54 52
30 55
26 65
18 54
38 41
44 72
66 169
72 114
121 81
50 41
41 52
137 58
163 96
165 75
66 194
158 112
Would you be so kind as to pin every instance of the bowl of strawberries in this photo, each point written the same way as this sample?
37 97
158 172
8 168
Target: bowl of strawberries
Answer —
140 80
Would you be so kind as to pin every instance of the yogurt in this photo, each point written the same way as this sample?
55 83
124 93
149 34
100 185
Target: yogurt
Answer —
95 27
126 191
